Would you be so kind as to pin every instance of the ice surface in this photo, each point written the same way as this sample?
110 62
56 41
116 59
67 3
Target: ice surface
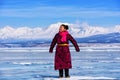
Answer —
29 64
80 78
46 49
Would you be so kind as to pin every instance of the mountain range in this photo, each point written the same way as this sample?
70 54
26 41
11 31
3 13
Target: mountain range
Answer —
83 33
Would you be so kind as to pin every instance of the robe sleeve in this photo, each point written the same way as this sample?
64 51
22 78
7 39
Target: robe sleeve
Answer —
54 41
74 43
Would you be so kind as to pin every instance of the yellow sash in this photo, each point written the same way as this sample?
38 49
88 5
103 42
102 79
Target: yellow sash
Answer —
63 44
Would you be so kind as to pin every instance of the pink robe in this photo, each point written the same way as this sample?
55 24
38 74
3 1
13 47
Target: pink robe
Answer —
62 54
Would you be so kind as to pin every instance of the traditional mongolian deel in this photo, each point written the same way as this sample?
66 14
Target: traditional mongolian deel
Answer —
62 54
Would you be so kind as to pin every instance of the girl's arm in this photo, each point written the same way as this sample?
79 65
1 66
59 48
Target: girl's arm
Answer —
53 44
74 43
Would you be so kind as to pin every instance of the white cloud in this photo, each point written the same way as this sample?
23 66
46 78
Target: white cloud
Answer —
58 12
77 30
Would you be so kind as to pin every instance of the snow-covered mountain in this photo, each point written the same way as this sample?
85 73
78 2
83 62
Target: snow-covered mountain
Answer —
85 31
77 30
111 40
101 38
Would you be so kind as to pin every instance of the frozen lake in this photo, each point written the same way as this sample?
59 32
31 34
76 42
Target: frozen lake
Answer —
37 63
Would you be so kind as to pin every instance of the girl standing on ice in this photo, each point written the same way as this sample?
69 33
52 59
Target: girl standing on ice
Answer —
62 54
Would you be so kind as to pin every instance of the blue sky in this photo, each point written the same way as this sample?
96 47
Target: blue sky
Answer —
34 13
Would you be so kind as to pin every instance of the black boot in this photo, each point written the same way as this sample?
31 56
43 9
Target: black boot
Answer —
67 73
60 73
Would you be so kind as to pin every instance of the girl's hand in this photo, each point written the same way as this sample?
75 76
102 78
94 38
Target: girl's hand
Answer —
77 50
50 51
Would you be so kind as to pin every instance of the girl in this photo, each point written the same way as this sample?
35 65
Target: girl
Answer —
62 55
